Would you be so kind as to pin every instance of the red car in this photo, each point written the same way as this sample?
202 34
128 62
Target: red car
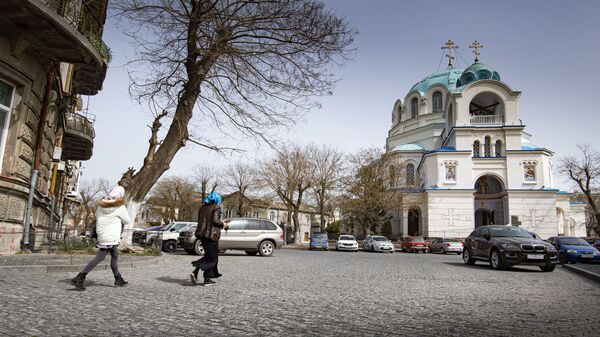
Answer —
415 244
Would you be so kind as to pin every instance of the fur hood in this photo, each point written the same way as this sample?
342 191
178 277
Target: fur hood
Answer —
110 203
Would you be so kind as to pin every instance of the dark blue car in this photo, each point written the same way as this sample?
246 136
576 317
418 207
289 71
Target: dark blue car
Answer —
574 249
318 240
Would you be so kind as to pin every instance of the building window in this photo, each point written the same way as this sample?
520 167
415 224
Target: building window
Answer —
437 101
392 176
308 219
414 107
476 146
498 149
6 99
487 146
410 174
272 216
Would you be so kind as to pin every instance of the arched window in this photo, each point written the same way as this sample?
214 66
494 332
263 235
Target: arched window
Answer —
487 146
392 176
450 116
410 174
498 149
437 102
476 146
414 107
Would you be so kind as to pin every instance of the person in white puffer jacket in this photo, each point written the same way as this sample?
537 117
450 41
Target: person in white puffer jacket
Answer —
111 217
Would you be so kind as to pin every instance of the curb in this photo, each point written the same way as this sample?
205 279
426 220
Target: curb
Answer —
47 269
587 274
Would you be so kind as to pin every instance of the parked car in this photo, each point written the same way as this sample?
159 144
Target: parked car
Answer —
574 249
252 235
594 242
140 236
415 244
169 235
378 243
446 245
346 242
318 240
505 246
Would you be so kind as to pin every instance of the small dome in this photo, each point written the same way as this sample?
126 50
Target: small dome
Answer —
408 147
446 77
476 72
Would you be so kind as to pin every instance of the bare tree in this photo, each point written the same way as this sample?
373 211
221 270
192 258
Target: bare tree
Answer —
174 197
370 191
289 176
205 178
583 169
241 179
327 168
249 65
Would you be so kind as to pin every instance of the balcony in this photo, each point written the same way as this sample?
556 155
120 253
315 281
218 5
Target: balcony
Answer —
487 120
63 30
78 137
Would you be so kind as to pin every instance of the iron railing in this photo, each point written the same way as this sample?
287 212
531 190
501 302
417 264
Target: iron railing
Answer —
85 19
79 123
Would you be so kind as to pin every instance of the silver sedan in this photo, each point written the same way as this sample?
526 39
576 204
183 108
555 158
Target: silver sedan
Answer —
378 244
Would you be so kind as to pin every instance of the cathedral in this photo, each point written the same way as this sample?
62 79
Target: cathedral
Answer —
465 159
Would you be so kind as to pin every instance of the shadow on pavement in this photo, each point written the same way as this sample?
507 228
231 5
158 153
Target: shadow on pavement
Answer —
182 282
487 266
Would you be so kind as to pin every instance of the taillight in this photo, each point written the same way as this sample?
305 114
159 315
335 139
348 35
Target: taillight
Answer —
281 236
448 244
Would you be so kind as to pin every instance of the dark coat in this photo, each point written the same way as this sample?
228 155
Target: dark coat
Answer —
209 222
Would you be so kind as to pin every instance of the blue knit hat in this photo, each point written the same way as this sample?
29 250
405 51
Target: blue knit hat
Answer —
213 196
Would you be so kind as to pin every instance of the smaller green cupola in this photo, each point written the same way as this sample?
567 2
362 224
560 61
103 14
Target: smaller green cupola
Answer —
475 72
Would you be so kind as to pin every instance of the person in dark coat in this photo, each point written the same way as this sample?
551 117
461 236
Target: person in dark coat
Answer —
209 233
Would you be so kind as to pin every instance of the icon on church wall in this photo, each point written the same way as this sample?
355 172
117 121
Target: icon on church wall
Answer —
529 173
450 173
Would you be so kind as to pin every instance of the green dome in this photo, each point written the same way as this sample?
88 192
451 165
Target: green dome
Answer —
446 77
476 72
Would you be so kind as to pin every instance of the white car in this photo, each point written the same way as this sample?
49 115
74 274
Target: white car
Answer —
346 242
378 244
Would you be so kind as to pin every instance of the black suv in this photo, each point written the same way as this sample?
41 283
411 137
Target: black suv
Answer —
505 246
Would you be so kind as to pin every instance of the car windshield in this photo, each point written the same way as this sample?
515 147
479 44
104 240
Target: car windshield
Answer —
168 227
380 238
450 240
573 242
347 237
512 232
417 239
319 236
180 226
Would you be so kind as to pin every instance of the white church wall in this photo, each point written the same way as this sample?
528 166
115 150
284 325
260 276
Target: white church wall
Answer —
535 210
513 139
450 213
509 101
517 166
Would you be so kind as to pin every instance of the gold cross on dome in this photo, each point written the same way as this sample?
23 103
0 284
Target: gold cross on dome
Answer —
476 45
450 46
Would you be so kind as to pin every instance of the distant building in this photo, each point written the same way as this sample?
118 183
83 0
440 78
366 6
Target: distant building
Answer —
51 53
464 159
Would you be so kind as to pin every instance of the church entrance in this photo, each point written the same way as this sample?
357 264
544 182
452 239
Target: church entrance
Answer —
490 202
414 218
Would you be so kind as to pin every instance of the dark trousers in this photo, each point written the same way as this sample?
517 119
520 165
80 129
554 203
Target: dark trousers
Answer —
114 257
209 262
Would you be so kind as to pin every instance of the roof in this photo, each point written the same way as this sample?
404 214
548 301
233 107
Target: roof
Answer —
446 77
408 147
529 147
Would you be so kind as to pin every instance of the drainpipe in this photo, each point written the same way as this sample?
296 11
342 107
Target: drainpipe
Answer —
52 195
27 222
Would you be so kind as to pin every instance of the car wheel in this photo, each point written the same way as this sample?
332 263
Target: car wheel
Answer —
170 246
266 248
562 257
190 251
444 251
251 252
548 268
198 247
467 258
496 260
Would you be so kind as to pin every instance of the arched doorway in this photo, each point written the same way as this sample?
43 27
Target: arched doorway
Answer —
490 202
414 219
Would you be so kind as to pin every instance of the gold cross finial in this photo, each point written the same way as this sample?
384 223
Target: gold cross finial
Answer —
450 46
476 45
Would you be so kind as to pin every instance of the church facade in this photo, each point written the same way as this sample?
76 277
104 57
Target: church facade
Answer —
463 160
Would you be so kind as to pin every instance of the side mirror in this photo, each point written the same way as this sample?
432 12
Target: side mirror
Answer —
487 236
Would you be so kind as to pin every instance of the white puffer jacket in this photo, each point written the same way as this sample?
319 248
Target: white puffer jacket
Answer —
111 215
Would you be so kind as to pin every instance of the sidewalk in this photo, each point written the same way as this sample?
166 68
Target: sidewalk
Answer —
589 270
41 263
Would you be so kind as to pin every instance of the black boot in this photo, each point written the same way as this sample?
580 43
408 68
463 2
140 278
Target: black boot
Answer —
78 280
119 281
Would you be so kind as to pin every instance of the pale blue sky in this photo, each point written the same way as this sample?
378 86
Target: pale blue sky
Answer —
549 50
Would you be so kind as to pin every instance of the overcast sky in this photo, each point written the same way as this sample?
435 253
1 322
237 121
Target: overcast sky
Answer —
549 50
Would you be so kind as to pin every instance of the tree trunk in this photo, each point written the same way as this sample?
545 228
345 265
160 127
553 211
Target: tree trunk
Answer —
297 229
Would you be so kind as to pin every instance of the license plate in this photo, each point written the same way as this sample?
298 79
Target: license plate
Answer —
419 246
535 256
586 256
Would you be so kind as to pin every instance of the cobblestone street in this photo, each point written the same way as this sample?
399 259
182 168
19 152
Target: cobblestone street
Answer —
299 292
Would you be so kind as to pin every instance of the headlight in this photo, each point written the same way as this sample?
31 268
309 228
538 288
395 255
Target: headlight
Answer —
571 251
550 249
510 246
